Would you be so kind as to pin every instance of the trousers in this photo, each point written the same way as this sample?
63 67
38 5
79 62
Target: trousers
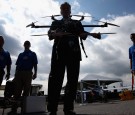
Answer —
55 82
2 72
22 82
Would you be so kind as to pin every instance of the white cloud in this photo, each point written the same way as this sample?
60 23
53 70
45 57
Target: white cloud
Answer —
109 56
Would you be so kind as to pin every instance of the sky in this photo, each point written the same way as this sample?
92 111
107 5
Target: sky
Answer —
106 57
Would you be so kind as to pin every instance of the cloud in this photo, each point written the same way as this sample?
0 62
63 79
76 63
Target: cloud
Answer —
11 44
108 56
16 15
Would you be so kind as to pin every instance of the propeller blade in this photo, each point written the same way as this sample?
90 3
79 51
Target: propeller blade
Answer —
113 24
31 24
95 35
96 20
40 35
88 33
107 23
51 16
82 16
107 33
55 34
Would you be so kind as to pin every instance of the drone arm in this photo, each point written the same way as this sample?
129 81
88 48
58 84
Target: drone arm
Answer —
46 26
95 35
104 25
82 18
53 18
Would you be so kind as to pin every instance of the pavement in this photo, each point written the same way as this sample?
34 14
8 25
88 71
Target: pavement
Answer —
113 107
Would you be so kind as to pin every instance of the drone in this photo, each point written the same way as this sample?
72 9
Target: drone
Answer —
95 35
105 24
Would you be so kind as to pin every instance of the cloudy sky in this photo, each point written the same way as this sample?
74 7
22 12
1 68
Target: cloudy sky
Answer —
107 57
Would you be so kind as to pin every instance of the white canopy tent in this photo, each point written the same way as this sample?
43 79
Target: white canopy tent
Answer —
93 80
99 80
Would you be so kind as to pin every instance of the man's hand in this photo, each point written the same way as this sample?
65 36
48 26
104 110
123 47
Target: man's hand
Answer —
53 34
34 76
7 76
83 35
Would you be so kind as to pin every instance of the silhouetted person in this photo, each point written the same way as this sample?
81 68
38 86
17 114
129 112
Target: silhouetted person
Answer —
66 55
132 57
5 61
132 54
25 63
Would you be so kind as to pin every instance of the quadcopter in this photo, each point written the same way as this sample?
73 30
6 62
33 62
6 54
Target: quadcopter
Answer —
105 24
95 35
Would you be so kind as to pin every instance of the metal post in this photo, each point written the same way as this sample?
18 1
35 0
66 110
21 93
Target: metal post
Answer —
98 81
132 81
81 87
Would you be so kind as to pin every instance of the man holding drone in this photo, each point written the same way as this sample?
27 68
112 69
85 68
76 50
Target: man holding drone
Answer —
66 54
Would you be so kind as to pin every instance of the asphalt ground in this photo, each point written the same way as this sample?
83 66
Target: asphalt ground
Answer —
113 107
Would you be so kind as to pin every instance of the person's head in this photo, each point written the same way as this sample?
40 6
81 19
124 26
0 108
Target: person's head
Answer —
1 41
132 36
65 9
27 45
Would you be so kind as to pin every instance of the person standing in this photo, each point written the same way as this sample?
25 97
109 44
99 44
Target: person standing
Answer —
132 57
66 56
5 61
25 63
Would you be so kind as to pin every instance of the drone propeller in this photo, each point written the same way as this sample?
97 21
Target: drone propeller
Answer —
97 20
40 35
107 33
107 23
51 16
95 35
56 34
32 24
81 16
87 33
71 16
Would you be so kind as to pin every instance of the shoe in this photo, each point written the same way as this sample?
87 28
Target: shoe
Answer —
52 113
12 113
69 112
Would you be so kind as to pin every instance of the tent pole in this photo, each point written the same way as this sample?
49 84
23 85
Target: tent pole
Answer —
132 81
98 81
81 87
